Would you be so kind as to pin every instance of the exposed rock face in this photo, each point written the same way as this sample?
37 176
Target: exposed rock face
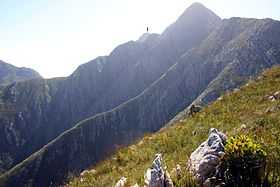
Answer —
205 159
156 176
9 136
196 58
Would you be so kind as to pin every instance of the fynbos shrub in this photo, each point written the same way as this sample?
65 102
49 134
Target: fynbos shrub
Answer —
243 163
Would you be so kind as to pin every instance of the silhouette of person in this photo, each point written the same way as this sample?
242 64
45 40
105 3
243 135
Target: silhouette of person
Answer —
147 29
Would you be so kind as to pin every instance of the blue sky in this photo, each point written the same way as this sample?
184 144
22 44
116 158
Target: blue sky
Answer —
55 36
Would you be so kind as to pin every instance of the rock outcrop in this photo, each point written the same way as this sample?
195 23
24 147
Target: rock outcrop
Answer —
157 176
205 159
274 96
121 182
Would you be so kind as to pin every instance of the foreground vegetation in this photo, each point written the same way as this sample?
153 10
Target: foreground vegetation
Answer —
248 111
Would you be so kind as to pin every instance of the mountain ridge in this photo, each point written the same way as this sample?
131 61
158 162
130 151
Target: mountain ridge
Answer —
184 75
10 73
58 104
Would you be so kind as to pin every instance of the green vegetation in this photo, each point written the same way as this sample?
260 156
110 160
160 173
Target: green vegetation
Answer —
247 112
243 147
243 163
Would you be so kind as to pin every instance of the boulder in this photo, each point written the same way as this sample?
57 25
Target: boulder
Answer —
274 97
204 160
236 90
277 95
156 176
121 182
86 172
194 109
220 98
243 128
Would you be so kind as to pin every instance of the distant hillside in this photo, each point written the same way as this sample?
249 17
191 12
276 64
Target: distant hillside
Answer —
10 73
46 108
114 100
249 107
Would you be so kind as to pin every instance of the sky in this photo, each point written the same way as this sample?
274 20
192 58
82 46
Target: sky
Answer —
54 37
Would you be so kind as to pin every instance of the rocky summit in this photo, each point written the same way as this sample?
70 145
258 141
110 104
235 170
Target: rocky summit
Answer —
61 126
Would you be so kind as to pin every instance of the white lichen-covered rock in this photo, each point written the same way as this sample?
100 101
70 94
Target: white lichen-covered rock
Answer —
121 182
277 95
274 97
84 172
87 172
156 176
205 159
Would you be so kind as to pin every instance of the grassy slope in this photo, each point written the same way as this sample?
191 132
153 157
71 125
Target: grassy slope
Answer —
247 106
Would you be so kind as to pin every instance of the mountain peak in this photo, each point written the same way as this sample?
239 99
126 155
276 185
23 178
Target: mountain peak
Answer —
197 4
147 36
197 10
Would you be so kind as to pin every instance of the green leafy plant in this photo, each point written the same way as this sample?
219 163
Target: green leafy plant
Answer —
243 163
243 147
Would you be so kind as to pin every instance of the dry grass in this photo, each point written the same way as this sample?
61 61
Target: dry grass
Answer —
249 106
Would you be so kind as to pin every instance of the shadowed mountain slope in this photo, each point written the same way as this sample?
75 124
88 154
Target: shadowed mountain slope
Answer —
45 108
235 50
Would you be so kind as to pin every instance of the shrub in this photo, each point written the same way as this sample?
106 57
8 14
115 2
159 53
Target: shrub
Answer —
243 163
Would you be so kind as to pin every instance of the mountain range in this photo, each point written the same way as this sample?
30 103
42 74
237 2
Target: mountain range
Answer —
10 74
61 126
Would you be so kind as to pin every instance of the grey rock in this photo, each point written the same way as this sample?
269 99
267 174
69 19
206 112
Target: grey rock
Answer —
274 96
156 176
121 182
277 95
204 160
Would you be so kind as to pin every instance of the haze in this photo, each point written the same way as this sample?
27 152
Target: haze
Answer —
54 37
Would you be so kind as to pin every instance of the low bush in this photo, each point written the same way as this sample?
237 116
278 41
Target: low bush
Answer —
243 163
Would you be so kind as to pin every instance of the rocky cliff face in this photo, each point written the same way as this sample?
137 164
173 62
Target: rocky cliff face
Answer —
9 76
196 58
46 108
